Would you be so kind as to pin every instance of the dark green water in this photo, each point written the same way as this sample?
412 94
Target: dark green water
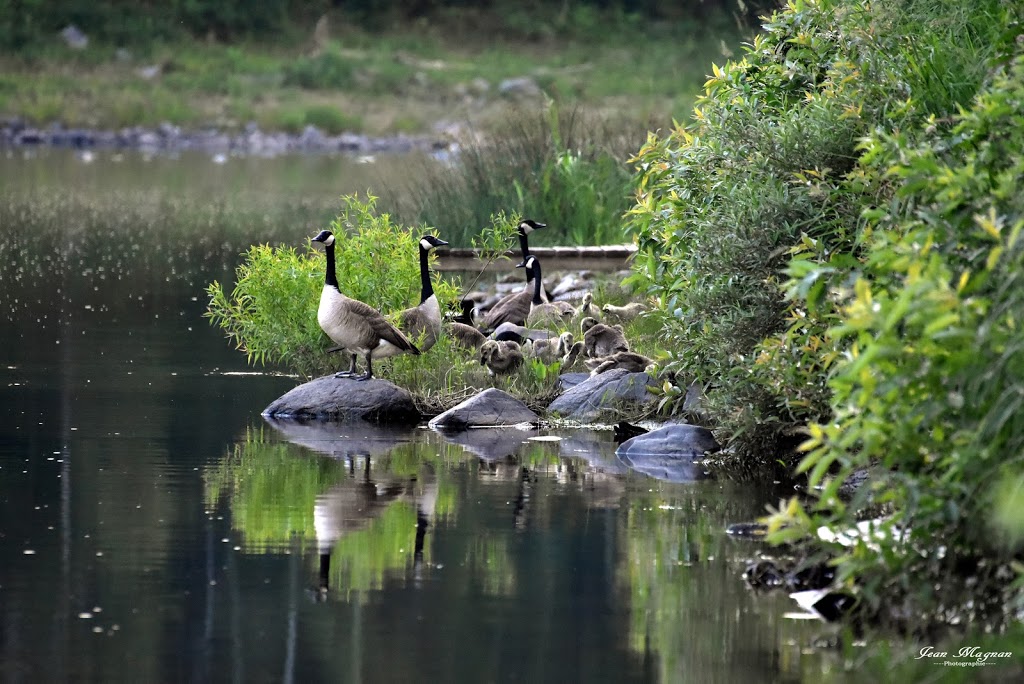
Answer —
154 528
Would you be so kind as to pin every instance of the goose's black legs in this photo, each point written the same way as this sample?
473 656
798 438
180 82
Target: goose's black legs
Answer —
351 369
369 367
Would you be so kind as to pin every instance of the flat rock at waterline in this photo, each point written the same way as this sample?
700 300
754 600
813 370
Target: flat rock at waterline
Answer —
671 440
491 407
331 398
669 453
603 395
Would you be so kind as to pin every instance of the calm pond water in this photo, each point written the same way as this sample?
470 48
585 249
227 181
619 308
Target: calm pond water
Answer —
154 528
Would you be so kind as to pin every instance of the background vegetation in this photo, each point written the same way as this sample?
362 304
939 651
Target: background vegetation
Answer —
834 241
565 168
374 67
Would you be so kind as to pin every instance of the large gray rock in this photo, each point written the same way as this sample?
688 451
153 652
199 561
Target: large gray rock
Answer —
669 453
603 396
488 408
671 440
331 398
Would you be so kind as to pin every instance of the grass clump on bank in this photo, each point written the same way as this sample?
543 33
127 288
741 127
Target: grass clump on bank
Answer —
834 242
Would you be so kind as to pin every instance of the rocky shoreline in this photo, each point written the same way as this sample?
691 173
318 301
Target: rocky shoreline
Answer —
168 138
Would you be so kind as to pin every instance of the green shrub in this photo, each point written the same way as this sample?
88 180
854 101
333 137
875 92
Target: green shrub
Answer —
331 120
327 70
768 170
271 313
930 389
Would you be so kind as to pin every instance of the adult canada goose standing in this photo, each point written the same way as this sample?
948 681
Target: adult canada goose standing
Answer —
514 308
355 327
423 323
544 313
466 336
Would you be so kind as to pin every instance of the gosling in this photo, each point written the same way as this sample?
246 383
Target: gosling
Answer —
602 340
623 314
629 361
501 358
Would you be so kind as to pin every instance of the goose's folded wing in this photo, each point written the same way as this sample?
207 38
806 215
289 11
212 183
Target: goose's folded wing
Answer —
381 327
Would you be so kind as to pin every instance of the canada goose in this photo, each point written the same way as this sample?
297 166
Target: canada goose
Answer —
423 323
518 333
623 314
602 340
632 362
466 336
588 308
501 358
544 313
468 307
355 327
514 308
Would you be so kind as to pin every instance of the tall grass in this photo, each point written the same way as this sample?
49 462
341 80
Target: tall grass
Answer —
564 168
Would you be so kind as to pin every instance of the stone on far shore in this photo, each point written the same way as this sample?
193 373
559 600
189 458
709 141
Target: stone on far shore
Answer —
330 398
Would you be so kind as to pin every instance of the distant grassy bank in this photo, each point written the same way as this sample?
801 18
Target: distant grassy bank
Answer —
407 75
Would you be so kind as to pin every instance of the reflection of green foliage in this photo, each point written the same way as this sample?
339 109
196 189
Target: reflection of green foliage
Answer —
694 622
272 491
491 561
360 559
540 454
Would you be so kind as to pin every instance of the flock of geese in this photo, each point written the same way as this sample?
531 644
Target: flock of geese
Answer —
512 330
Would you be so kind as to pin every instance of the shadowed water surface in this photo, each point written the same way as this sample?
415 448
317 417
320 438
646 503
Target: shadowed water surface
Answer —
154 528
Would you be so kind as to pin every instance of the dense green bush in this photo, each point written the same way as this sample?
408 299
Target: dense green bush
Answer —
931 388
833 241
271 313
769 168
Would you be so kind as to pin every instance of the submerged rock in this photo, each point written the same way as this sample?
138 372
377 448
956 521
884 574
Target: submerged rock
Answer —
331 398
669 453
671 440
603 395
490 444
489 408
343 439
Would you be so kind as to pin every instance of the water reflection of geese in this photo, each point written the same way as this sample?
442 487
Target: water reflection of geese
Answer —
348 507
352 505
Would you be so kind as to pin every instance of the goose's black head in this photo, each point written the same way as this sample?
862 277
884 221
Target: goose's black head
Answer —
429 242
527 226
527 263
324 236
